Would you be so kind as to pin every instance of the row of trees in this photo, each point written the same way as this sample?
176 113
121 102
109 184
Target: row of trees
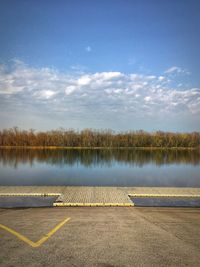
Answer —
96 138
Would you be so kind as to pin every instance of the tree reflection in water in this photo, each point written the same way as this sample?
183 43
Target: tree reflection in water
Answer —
99 157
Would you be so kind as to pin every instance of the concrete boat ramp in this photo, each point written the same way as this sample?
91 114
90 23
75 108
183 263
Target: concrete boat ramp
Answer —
98 196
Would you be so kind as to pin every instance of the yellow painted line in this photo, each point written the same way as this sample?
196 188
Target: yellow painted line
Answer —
77 204
30 242
165 195
29 194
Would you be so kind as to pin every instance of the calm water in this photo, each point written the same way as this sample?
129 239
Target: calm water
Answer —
166 202
127 167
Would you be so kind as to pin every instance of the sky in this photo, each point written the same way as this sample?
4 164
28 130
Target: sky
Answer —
109 64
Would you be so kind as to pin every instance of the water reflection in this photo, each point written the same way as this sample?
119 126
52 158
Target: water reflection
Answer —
98 157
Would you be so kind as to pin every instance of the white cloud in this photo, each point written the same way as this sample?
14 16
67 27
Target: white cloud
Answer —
161 78
84 80
92 93
70 89
107 75
44 94
177 70
88 49
147 98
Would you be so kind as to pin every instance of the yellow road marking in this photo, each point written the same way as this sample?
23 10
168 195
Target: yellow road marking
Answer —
89 204
29 194
164 195
30 242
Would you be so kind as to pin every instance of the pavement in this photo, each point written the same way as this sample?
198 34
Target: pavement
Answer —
100 236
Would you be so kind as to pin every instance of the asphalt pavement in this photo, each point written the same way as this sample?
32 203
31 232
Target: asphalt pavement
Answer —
100 236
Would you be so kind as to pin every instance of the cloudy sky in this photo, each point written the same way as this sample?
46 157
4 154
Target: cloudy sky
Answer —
115 64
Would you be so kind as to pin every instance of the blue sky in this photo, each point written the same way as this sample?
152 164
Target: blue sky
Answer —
100 64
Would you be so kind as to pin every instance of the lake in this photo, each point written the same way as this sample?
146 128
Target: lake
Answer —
100 167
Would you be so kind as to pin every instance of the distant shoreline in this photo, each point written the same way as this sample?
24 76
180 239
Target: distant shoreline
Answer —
96 148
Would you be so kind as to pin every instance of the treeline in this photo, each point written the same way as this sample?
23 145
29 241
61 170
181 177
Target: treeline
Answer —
95 138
